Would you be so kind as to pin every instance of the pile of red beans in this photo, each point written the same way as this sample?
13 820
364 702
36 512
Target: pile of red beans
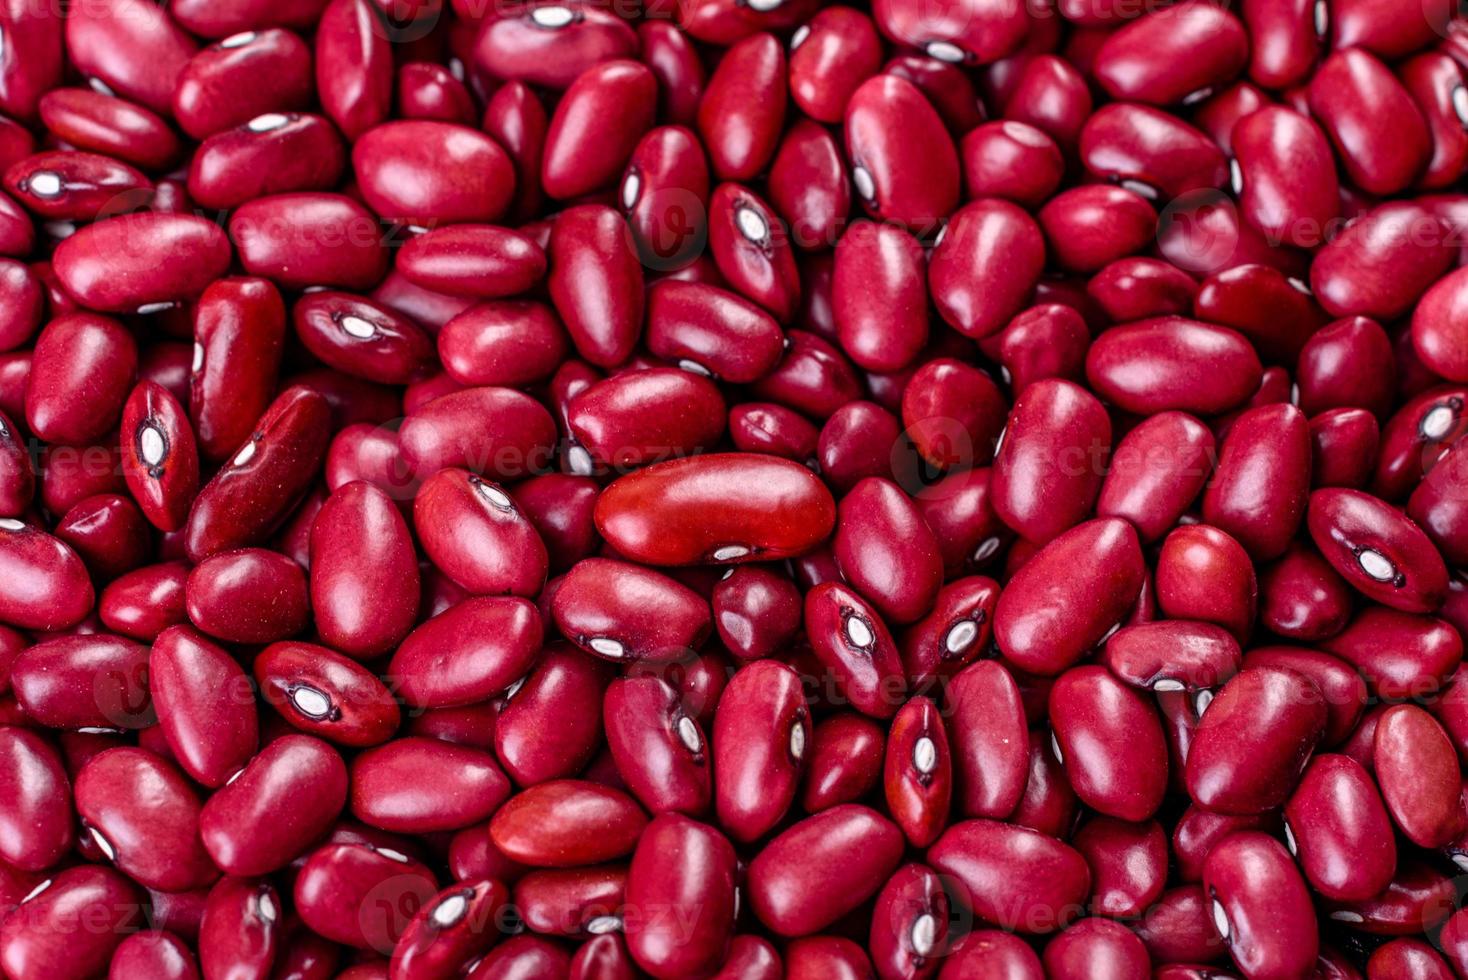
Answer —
600 489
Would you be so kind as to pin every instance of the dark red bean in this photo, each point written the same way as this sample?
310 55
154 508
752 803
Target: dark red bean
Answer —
551 725
1259 491
553 44
159 458
82 369
984 266
84 682
249 595
1339 830
1128 864
361 896
703 880
1380 265
596 283
990 750
1377 549
596 124
34 944
205 705
620 611
1260 906
36 829
567 823
760 738
153 954
472 178
451 930
954 413
1351 95
1011 876
913 180
419 785
321 692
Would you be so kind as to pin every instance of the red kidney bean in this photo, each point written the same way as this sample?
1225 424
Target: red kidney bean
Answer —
451 930
46 940
239 932
1417 769
567 823
1203 574
1095 946
1238 298
878 296
641 416
321 692
702 880
363 339
1418 899
1254 740
1150 151
482 261
1060 604
999 953
1098 722
1301 597
364 572
84 682
1049 468
501 343
1179 927
1341 688
1377 549
1050 94
1156 473
469 653
1409 959
1140 288
711 331
659 748
773 429
1045 341
140 814
256 490
1419 434
309 239
715 507
75 186
800 883
1172 55
1258 493
472 178
160 461
1436 330
845 761
1333 373
1010 160
1260 906
830 56
418 785
596 283
912 181
972 32
487 430
760 740
134 49
885 550
956 631
205 705
1381 264
153 954
954 413
239 327
852 642
248 596
1401 655
1011 876
361 896
241 825
1351 94
664 193
82 368
552 44
990 750
1173 364
743 107
24 303
1286 36
430 91
241 77
756 612
909 923
551 725
1087 227
595 127
1285 176
105 124
1128 864
619 611
984 266
751 249
135 262
36 829
1338 828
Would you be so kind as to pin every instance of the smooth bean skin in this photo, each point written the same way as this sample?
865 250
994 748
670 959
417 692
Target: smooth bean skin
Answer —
468 653
205 705
1437 331
124 264
1254 740
569 901
886 551
1339 830
917 775
1173 364
1099 721
717 507
476 534
853 645
1301 597
992 952
878 299
1260 487
483 261
1409 959
45 941
361 896
1343 446
82 369
1380 265
420 785
1156 472
761 733
986 722
451 930
640 416
1095 947
1010 160
566 823
804 880
324 693
681 864
472 177
1204 574
1172 655
1150 151
1286 176
1341 688
1418 774
1377 549
1048 470
1171 54
954 413
984 266
845 761
1261 906
239 328
1011 876
551 726
1050 94
81 681
364 572
360 338
249 595
659 748
596 283
1128 864
1090 226
91 185
282 802
595 127
751 249
161 461
36 829
621 611
721 333
1058 606
1400 655
1237 297
541 50
490 430
742 110
955 632
912 181
142 815
1351 94
153 954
